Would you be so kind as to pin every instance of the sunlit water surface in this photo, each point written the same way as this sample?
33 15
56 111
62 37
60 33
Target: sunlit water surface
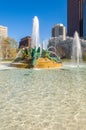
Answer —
43 99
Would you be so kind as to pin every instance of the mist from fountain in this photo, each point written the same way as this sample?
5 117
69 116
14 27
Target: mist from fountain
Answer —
35 33
45 44
76 56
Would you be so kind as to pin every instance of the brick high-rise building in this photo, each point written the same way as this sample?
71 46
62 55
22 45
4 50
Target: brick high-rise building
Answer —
75 17
25 42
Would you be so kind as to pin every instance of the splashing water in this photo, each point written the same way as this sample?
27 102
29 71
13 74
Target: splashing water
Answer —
35 33
76 50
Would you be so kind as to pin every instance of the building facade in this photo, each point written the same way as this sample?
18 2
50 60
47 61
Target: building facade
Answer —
25 42
59 30
75 17
3 32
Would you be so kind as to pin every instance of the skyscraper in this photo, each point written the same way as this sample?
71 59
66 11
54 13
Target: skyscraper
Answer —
75 17
84 19
59 30
3 32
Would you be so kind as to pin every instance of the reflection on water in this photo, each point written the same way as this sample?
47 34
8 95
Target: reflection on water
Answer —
43 99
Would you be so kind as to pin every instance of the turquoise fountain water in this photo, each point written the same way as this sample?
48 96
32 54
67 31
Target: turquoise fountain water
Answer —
43 100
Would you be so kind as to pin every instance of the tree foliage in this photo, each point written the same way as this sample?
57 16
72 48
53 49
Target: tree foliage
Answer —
8 48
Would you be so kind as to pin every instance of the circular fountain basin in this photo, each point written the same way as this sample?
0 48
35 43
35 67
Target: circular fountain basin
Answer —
19 65
47 63
74 65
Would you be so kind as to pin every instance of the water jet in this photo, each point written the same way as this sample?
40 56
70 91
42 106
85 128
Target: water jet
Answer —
76 56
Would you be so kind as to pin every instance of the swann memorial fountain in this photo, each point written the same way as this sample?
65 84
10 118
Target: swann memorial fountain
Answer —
37 57
43 99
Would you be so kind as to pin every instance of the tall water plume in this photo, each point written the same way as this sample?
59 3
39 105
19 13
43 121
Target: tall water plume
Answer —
76 50
35 33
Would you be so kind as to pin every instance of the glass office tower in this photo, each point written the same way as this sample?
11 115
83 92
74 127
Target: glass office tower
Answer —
84 19
75 17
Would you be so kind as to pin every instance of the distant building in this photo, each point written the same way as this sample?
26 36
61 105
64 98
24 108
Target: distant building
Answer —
75 17
59 30
3 32
25 42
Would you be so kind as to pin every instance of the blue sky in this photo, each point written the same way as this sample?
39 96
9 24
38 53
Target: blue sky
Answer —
18 15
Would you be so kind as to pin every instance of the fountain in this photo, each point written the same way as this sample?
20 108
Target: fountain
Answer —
76 51
40 59
35 33
76 56
36 56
